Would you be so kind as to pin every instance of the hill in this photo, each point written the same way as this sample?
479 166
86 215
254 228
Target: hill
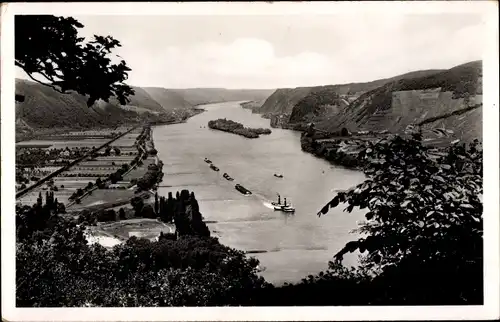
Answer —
168 99
44 108
284 101
198 96
451 98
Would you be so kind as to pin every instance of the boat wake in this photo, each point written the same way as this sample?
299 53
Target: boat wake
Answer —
268 204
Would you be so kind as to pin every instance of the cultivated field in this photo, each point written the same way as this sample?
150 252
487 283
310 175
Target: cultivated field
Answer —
139 227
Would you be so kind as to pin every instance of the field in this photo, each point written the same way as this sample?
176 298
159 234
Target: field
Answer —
76 179
78 176
104 196
103 163
62 143
139 171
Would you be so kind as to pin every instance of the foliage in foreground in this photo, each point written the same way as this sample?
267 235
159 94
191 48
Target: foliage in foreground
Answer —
422 242
59 268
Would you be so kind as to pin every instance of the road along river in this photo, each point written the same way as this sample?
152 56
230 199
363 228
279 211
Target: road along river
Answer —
295 245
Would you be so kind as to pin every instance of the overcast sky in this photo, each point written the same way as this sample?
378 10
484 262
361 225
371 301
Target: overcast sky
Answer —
286 51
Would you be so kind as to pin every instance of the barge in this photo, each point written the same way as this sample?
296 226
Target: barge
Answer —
242 189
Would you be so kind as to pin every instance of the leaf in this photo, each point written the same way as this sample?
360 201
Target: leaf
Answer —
405 203
369 215
430 213
341 196
351 246
325 209
466 205
439 178
334 202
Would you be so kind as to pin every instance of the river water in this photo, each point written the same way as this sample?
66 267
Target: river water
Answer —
296 244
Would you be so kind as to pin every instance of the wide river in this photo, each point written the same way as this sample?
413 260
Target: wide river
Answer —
297 244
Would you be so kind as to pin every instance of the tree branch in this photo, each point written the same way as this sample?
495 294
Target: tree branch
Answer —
39 82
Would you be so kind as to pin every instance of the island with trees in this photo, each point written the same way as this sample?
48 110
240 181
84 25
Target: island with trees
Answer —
230 126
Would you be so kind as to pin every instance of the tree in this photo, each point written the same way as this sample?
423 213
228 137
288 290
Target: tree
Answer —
64 270
423 235
137 203
157 204
121 214
49 46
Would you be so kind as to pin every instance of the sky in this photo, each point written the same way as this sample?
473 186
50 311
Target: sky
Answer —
288 50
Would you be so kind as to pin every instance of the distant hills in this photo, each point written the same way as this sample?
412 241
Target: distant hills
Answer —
44 108
437 98
197 96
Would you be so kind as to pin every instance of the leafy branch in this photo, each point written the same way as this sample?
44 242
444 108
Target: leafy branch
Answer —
49 46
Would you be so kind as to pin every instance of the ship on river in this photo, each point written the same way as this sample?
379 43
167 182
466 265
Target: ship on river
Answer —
227 177
213 167
282 206
207 160
242 189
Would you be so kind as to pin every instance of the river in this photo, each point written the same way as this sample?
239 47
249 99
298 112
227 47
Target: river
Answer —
297 244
